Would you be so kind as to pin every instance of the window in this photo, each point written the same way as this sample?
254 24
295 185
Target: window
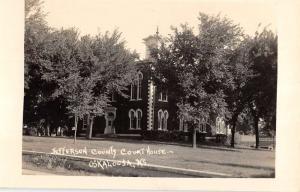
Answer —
181 124
163 96
135 119
139 119
165 122
132 118
133 91
136 88
160 119
217 125
220 125
139 86
202 126
185 126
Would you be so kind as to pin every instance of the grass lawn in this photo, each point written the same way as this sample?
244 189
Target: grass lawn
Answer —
236 162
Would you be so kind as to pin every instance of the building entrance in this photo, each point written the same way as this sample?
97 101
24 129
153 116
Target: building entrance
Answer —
110 116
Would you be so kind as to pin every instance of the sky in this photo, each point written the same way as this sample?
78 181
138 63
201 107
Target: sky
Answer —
137 19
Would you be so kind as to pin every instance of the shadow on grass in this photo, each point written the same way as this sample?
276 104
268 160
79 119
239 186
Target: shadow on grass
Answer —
137 141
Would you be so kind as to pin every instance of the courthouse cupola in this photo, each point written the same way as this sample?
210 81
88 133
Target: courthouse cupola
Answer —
151 42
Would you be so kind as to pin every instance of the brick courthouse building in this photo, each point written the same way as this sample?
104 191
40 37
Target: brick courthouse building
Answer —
147 108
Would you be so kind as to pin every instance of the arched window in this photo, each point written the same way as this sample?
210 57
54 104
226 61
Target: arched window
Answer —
136 87
165 122
132 119
181 121
203 126
185 127
222 127
217 125
133 90
139 86
139 119
160 119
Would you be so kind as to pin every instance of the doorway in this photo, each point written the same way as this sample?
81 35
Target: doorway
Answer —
110 116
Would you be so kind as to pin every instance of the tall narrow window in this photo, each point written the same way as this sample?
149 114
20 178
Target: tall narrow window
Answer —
203 126
222 127
132 119
139 119
181 124
139 86
200 126
165 122
133 92
165 96
217 125
160 119
160 96
185 127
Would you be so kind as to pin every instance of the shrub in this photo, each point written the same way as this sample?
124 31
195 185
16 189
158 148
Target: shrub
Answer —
222 139
173 136
237 139
32 131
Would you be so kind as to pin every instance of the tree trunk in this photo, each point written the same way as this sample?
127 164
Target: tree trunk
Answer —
75 131
255 116
87 131
233 121
232 135
256 132
48 128
90 130
195 139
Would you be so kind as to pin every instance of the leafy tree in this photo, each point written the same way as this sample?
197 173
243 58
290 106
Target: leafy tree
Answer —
61 69
244 123
65 74
33 10
237 95
263 86
111 66
36 30
199 66
87 70
37 105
